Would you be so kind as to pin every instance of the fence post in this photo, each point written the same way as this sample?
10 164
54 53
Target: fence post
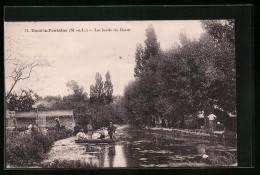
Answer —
41 122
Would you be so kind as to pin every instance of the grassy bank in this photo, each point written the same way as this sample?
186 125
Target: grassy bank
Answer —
30 150
69 164
198 133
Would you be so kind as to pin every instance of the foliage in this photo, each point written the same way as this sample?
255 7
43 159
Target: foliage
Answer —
142 55
99 114
69 164
102 92
22 102
176 84
97 91
223 90
27 150
73 85
71 101
55 135
30 150
108 89
226 158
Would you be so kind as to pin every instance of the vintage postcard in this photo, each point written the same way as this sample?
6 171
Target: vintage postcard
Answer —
129 94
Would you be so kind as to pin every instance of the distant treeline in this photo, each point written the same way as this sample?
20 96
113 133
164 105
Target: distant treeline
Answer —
28 100
103 105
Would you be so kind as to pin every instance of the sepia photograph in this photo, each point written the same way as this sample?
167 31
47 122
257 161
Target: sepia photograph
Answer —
120 94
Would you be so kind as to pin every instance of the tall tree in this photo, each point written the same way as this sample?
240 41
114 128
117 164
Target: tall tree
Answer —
93 94
223 90
139 53
151 44
108 89
97 91
144 54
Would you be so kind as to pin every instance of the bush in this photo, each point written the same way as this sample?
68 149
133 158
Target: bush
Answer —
30 150
26 150
69 164
99 114
55 135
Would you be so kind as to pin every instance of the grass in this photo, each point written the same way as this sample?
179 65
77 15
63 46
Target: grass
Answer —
69 164
225 159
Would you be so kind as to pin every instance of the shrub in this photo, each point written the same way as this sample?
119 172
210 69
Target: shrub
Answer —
226 158
55 135
69 164
26 150
30 150
99 114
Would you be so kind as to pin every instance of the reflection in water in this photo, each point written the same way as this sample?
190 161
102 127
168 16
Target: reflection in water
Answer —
107 155
111 155
120 160
159 150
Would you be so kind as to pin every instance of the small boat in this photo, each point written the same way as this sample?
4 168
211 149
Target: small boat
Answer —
96 140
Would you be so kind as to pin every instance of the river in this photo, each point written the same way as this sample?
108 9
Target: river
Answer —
147 149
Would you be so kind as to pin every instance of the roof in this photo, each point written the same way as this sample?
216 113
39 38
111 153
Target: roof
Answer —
45 113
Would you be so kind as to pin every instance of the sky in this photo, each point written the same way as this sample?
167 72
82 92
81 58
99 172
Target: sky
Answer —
80 54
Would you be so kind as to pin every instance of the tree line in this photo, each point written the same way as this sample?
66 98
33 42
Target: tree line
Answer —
101 107
179 83
27 100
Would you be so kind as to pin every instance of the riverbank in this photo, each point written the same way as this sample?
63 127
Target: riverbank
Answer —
200 133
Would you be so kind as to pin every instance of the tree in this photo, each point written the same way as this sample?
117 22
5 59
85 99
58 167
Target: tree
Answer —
93 94
139 53
73 85
221 30
21 71
135 104
13 102
223 90
143 55
23 102
78 98
140 103
99 87
151 44
16 68
108 89
97 91
174 101
179 83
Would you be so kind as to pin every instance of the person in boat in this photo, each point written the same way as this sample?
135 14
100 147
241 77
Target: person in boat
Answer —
102 134
81 134
111 130
90 129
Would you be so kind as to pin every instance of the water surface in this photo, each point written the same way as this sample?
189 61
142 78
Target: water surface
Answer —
149 149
